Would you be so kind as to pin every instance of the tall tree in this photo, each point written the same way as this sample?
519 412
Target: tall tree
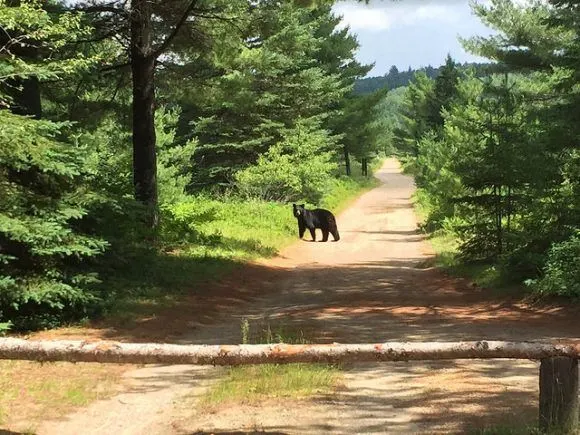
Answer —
294 66
414 120
544 37
42 179
145 31
444 92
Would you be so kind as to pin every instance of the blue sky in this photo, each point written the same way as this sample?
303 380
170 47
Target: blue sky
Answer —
411 33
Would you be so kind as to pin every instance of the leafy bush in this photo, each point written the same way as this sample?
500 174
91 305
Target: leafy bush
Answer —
298 168
562 270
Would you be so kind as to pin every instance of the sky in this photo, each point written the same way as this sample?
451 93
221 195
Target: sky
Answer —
411 33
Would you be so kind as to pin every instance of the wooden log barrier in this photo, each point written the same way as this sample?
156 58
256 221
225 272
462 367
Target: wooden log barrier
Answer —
228 355
558 368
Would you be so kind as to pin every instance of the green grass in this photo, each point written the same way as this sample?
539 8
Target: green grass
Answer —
205 238
445 245
345 190
446 250
253 384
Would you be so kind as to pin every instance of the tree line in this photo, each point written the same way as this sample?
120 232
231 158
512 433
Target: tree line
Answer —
113 115
395 79
496 158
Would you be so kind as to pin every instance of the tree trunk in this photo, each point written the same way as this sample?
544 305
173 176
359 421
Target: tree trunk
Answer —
559 395
153 353
497 192
347 160
365 168
144 140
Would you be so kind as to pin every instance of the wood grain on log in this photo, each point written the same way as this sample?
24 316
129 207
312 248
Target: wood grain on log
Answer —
153 353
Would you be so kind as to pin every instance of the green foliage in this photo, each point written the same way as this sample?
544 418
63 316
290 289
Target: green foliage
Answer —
41 181
5 327
42 177
229 228
414 115
396 79
296 67
562 270
493 134
29 23
496 159
298 168
174 159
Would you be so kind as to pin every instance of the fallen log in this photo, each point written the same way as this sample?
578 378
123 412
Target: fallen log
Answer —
154 353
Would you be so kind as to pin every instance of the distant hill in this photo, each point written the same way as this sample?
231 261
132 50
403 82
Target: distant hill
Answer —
395 78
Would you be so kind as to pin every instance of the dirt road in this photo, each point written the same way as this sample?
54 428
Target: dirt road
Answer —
372 286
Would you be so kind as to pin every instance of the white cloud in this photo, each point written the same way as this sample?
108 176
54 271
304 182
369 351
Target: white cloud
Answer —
411 32
380 16
437 12
362 18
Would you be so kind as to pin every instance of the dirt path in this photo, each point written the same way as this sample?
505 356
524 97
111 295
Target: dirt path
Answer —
369 287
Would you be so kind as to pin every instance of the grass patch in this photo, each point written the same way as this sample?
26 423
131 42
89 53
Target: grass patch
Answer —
345 190
208 238
31 391
253 384
445 245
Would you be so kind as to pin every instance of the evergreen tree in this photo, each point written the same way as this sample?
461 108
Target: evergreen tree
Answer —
146 30
543 37
294 67
500 163
41 182
414 121
444 92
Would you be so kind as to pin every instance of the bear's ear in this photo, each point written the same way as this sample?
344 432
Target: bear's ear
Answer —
293 205
302 205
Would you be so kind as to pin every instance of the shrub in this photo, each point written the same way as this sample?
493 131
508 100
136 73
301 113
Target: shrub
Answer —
562 269
298 168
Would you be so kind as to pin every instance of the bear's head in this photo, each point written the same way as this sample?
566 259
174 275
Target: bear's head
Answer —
298 209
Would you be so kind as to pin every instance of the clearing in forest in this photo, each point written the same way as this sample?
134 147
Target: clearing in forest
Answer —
374 285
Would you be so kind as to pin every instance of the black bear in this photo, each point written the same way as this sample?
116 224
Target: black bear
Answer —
317 218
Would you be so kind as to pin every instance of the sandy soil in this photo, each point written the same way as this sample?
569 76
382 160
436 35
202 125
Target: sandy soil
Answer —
372 286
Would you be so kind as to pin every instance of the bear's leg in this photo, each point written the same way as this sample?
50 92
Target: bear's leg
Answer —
313 234
335 234
325 235
301 229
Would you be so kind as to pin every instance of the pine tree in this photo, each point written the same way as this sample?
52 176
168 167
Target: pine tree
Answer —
41 183
414 120
287 72
502 166
444 92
